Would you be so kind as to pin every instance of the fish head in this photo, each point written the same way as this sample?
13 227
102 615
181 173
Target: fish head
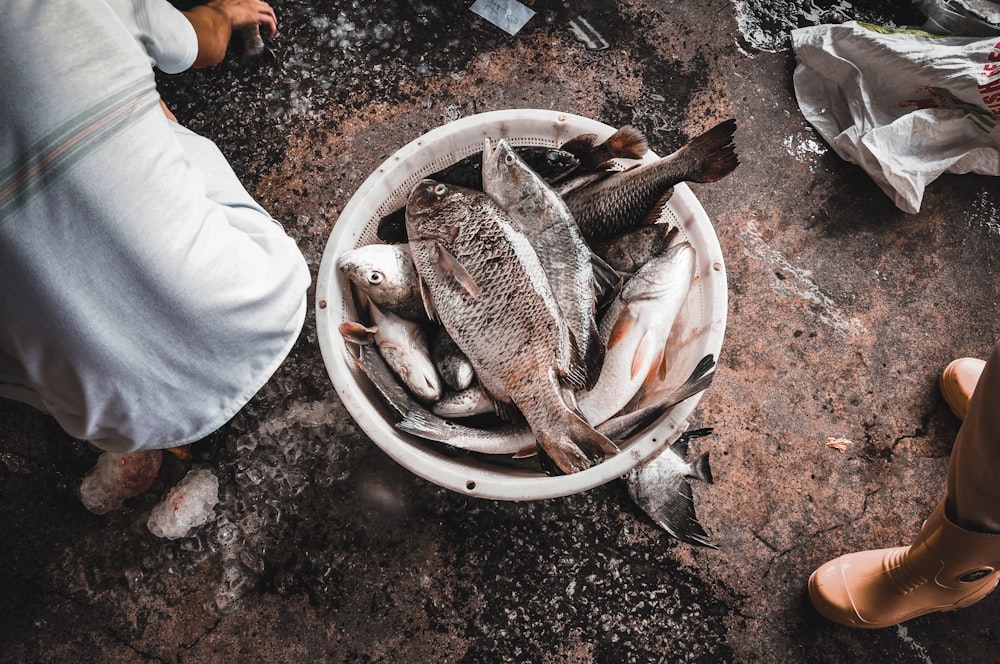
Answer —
506 176
663 274
383 272
435 208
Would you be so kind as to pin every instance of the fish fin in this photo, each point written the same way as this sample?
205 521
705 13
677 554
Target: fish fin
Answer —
701 470
656 212
589 439
356 333
698 381
646 355
623 325
425 297
580 145
505 410
627 143
526 453
575 376
572 447
607 283
714 152
676 516
620 427
372 364
700 467
680 446
561 451
447 261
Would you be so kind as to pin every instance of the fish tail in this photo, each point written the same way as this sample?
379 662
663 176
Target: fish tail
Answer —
566 455
572 448
676 516
700 469
714 153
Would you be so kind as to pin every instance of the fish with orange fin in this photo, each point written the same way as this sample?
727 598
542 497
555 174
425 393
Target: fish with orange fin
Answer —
626 143
635 330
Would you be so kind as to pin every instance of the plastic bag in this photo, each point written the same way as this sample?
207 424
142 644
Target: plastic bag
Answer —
968 18
905 105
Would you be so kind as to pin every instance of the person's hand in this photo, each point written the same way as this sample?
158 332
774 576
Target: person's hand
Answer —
244 13
214 24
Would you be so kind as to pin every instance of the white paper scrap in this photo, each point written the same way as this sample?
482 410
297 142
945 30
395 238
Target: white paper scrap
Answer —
508 15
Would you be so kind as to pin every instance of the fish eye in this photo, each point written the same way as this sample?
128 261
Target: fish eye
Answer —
509 159
439 189
375 278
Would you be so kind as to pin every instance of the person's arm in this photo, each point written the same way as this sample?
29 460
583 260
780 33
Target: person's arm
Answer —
214 23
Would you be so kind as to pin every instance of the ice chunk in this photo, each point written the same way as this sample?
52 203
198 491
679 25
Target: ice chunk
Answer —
117 477
186 506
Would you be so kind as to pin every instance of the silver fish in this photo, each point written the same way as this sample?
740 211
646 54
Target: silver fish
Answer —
385 273
463 403
660 488
418 421
629 198
404 347
567 260
451 362
635 329
489 290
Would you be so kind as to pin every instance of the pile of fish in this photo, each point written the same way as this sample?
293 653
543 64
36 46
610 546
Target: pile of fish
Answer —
522 302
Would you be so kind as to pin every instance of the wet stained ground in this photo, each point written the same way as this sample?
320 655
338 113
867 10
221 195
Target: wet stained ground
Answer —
842 310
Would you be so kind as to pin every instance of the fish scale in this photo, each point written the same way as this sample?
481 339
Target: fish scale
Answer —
488 289
625 199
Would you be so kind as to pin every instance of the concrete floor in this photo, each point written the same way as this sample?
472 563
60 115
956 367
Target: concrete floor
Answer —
842 312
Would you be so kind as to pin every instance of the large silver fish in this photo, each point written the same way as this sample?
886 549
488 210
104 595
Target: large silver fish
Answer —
635 329
385 273
567 260
489 290
660 487
629 198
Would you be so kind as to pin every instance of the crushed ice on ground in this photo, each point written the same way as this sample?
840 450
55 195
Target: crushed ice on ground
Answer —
189 504
117 477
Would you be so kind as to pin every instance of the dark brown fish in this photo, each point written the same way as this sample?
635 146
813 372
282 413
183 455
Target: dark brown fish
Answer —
630 251
627 199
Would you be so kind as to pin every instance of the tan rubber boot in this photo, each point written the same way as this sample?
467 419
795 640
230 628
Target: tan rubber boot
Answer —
958 382
946 568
